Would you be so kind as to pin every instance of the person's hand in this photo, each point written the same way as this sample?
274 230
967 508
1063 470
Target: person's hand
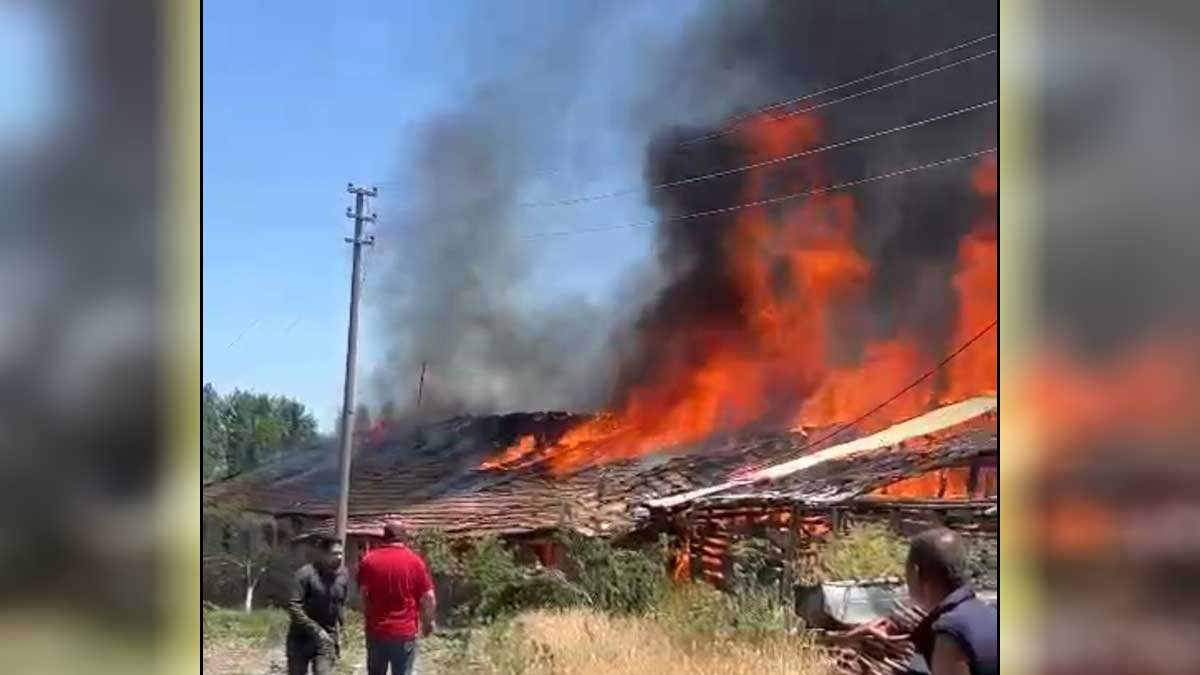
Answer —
325 641
878 628
428 628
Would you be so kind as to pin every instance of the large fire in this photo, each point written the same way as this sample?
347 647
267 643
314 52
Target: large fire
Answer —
783 362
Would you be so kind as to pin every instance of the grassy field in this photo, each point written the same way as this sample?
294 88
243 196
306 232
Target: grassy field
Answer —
586 642
691 634
617 615
251 643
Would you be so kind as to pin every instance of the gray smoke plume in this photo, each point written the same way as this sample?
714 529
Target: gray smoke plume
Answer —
454 294
455 300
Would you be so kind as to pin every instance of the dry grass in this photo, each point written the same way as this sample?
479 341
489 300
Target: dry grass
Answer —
585 642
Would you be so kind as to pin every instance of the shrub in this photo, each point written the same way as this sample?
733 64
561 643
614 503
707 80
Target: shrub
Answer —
756 566
435 547
489 569
534 590
487 583
614 580
865 551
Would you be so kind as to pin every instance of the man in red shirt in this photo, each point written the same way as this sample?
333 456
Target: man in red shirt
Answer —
398 602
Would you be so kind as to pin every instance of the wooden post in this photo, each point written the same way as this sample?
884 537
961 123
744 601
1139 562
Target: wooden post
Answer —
788 582
683 566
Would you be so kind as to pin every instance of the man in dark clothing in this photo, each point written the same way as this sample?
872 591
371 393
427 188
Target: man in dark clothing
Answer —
398 602
317 609
960 634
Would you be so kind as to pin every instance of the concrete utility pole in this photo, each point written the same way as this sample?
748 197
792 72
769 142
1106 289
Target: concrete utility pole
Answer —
347 422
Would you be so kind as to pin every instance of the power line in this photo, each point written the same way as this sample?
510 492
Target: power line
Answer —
767 202
733 125
243 333
865 78
768 162
849 425
729 130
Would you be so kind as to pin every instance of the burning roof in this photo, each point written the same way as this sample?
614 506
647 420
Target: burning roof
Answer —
943 438
433 476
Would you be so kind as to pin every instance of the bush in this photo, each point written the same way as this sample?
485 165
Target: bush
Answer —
498 586
756 566
494 585
865 551
534 590
435 547
614 580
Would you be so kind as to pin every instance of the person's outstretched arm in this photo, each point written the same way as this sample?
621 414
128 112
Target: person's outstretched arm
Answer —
428 613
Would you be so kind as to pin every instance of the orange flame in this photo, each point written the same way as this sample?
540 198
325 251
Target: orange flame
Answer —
948 483
787 347
1149 391
974 371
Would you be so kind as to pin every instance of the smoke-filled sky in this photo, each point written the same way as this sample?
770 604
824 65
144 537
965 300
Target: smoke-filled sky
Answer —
463 112
300 99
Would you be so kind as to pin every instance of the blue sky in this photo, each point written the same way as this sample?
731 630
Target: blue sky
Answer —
300 98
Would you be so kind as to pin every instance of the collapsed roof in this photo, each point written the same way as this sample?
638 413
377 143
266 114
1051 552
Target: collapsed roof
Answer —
431 476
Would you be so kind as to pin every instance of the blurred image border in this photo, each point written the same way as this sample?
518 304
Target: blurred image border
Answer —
1019 223
180 503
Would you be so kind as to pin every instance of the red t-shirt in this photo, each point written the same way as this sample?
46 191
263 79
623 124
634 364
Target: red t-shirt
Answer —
392 580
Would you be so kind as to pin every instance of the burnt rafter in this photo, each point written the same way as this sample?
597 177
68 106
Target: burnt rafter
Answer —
432 478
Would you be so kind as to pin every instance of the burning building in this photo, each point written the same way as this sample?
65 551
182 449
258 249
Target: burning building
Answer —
939 466
819 348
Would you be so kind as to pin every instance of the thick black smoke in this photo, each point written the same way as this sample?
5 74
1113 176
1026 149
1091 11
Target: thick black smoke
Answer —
454 300
908 227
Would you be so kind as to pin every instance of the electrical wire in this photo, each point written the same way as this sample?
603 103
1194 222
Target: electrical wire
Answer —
766 202
794 454
792 113
768 162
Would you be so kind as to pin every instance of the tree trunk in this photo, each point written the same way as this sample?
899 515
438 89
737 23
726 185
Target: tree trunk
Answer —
251 582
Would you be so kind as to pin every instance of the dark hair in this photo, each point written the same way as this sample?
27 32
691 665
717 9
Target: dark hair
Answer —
940 556
395 530
327 543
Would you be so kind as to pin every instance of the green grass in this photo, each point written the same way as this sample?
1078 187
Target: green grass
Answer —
266 630
257 627
865 551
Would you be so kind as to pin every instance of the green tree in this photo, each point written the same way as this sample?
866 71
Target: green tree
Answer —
244 430
212 435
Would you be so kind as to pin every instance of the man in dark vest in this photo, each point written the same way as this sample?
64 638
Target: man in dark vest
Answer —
960 634
317 608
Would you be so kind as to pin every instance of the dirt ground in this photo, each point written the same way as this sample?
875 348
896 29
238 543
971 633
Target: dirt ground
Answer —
232 658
